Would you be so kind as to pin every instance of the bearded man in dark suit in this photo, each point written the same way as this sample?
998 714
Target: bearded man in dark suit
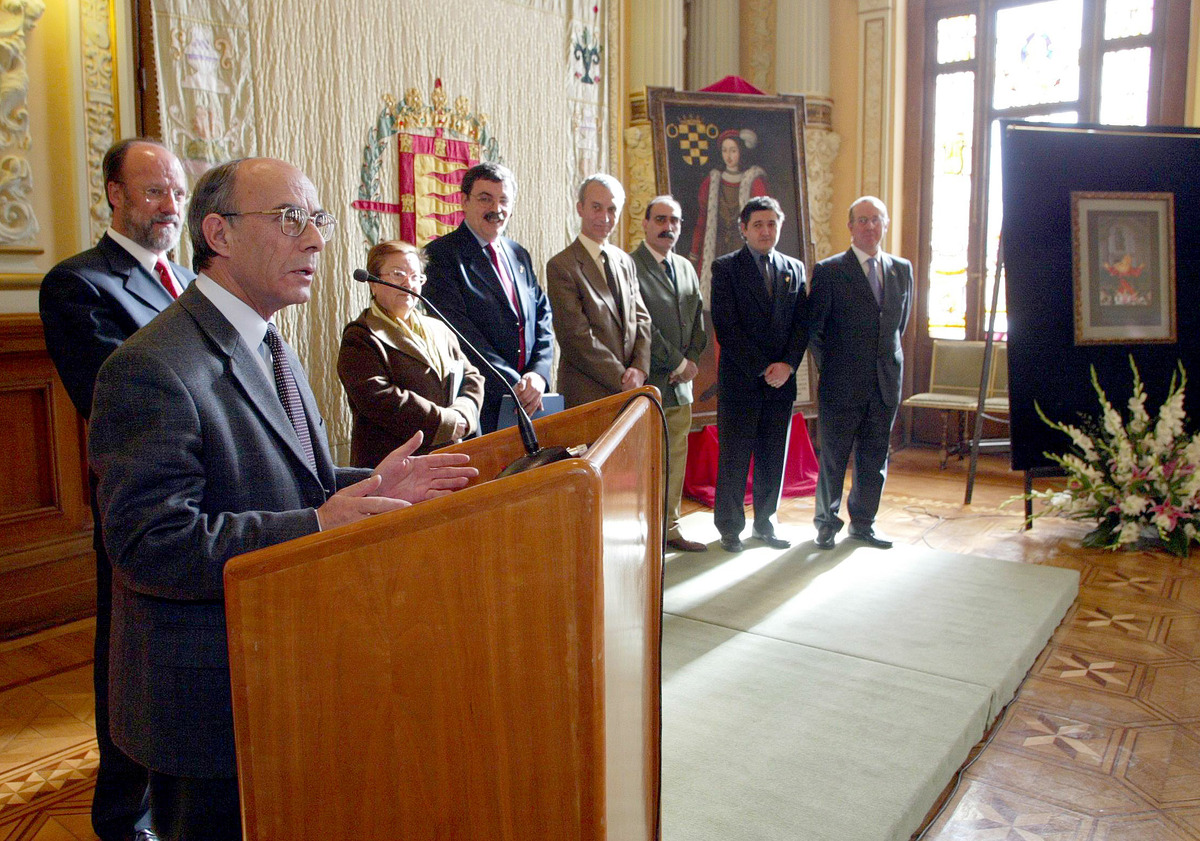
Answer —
484 284
90 304
860 305
758 312
207 443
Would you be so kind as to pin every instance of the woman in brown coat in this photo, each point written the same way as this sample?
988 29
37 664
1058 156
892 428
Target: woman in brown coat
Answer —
404 371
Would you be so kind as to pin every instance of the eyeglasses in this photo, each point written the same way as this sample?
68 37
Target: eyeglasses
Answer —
400 275
157 195
293 220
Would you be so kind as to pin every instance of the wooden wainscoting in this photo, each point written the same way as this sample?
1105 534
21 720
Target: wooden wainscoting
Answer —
47 566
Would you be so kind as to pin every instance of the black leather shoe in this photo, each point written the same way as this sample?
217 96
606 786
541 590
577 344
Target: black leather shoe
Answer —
825 537
871 538
731 543
143 835
772 540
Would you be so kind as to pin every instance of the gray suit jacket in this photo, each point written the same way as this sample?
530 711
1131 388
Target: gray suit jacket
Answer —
856 342
595 346
197 462
676 320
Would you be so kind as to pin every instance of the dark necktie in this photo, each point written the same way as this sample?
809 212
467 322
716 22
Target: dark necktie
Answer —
612 286
164 277
873 279
670 271
764 265
289 394
511 291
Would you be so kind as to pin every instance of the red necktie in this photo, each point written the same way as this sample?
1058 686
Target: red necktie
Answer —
511 291
164 277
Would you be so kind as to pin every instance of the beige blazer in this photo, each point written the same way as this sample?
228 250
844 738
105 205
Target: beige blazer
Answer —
595 345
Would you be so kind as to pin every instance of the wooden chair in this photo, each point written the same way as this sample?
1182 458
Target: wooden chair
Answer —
954 378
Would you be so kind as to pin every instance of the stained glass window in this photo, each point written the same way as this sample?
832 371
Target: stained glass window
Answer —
956 39
1022 61
1125 87
1037 53
1127 18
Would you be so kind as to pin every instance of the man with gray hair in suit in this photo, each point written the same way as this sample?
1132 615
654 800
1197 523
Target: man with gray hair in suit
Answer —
207 443
601 324
671 293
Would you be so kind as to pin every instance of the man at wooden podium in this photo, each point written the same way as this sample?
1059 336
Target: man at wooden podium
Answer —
207 443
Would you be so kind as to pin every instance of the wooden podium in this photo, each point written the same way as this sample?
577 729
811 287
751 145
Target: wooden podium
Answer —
481 666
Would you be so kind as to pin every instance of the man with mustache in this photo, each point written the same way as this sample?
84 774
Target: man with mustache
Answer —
207 443
90 304
671 293
484 284
602 325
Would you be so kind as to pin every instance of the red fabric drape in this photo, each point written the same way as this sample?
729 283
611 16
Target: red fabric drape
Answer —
799 474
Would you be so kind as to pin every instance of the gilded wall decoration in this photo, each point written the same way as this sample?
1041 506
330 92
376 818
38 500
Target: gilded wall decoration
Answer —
639 168
101 121
18 224
874 103
757 37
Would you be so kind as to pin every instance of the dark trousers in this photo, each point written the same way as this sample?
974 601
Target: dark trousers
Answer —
195 809
867 429
121 801
745 429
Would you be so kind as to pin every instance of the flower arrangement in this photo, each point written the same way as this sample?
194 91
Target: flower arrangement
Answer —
1131 476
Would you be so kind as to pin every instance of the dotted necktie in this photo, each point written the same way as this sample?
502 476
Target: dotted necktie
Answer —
289 394
873 279
164 277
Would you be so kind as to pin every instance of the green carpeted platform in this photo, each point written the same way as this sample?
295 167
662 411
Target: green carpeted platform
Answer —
832 695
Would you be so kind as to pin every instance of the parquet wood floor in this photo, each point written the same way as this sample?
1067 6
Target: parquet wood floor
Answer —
1102 742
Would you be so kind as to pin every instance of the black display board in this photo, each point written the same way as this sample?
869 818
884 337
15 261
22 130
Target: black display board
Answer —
1043 164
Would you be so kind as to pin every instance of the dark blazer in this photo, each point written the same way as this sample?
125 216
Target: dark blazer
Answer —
463 285
855 341
676 321
90 304
393 391
197 462
595 346
753 330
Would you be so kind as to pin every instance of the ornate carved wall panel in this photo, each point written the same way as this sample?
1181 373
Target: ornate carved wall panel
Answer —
47 567
18 224
101 122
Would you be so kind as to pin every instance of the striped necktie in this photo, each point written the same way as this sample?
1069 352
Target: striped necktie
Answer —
289 394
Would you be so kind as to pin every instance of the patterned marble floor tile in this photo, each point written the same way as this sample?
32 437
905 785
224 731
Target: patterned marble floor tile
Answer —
1182 634
1187 818
1090 670
1163 764
1073 787
1174 689
1139 828
986 813
1116 644
1060 739
1088 704
1187 591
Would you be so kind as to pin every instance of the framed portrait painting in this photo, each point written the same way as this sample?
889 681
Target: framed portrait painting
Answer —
713 152
1124 267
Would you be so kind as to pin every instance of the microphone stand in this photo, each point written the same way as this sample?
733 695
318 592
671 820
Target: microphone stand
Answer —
535 455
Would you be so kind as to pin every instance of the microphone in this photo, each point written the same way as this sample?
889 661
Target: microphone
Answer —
535 455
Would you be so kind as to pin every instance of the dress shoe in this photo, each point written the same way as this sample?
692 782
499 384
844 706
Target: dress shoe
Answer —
773 540
731 543
143 835
682 544
825 537
871 538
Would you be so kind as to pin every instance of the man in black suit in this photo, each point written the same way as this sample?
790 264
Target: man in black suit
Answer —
207 443
90 304
484 284
858 312
758 312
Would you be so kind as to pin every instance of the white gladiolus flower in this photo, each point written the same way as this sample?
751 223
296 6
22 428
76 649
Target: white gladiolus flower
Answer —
1129 533
1133 505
